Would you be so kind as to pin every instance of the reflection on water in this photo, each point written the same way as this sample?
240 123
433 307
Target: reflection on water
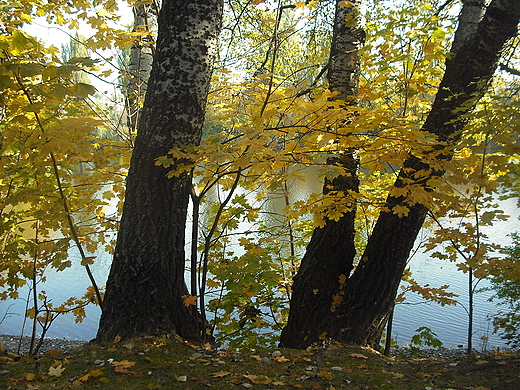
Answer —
449 322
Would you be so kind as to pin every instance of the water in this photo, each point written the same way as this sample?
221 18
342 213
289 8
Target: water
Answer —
450 323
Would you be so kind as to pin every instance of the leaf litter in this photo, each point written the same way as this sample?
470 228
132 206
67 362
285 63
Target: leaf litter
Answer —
169 363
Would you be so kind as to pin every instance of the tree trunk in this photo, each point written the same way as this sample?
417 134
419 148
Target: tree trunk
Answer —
141 59
331 250
145 287
367 297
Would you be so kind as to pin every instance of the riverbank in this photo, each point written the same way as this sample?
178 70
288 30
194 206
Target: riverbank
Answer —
20 345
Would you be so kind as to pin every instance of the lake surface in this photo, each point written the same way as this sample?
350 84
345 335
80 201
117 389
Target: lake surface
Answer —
450 323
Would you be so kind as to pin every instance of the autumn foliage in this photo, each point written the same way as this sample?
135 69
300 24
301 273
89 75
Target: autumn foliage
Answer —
272 123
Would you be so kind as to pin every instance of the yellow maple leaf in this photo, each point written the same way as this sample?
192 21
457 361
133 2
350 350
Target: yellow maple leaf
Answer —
401 211
56 371
190 300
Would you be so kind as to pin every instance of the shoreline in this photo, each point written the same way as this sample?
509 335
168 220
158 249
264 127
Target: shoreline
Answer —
20 345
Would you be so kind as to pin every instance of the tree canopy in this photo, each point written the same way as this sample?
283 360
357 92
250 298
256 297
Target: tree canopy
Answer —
274 119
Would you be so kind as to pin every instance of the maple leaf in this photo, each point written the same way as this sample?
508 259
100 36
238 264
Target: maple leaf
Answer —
190 300
56 371
401 211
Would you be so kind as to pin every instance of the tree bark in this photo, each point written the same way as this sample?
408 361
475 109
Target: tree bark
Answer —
362 305
145 287
331 251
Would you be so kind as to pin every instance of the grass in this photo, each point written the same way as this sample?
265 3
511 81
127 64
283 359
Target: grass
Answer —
170 363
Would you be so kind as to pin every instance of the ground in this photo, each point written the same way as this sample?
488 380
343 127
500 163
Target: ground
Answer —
170 363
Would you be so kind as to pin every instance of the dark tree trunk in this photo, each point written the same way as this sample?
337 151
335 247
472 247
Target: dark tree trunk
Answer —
368 295
145 288
329 257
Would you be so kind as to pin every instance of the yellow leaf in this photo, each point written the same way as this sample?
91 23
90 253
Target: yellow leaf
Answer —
258 379
281 359
117 339
122 366
325 374
56 371
190 300
220 374
30 377
401 211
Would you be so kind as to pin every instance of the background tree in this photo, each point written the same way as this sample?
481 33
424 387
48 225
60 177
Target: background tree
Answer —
146 290
140 59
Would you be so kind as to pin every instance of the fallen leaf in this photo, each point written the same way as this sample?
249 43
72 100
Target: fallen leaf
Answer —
325 374
481 362
258 379
358 355
30 377
56 371
362 367
121 367
256 357
281 359
182 378
220 374
92 374
117 339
